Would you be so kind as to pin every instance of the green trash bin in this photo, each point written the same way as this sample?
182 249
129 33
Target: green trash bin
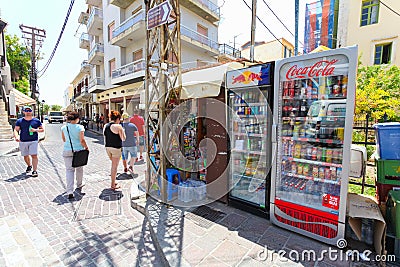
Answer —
393 212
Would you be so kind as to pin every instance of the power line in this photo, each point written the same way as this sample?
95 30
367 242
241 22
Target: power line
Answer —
58 40
264 24
391 9
276 16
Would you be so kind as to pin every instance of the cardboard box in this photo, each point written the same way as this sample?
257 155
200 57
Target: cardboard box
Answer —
360 206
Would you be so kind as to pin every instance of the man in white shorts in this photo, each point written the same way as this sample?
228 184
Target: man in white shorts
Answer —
26 133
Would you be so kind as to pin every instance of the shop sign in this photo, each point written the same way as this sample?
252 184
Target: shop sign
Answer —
252 76
316 70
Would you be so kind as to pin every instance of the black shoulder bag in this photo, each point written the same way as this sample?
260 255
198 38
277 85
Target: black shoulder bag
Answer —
79 158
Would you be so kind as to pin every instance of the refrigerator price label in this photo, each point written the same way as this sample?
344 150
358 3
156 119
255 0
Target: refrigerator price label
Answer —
330 201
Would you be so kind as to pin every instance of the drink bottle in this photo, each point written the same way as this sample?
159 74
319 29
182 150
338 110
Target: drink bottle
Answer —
30 133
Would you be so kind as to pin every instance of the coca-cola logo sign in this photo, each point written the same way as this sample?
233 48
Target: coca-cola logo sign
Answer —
320 68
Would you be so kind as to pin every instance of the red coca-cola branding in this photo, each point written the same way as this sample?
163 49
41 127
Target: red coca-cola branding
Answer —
315 70
330 201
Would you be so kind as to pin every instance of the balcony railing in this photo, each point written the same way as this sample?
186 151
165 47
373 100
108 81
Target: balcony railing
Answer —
198 37
129 23
130 68
84 90
96 81
211 6
229 50
98 48
95 11
84 37
85 64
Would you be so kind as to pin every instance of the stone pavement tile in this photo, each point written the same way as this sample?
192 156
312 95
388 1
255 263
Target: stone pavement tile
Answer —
301 243
208 242
194 254
229 252
280 231
233 221
235 238
194 228
250 262
273 241
211 261
253 229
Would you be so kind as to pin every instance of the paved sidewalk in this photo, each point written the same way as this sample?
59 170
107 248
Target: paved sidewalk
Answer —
190 237
39 226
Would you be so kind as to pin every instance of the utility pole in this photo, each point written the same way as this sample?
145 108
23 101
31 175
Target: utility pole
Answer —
163 85
253 29
296 27
34 38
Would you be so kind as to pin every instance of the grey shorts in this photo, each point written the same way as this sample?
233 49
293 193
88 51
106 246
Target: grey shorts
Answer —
141 140
28 148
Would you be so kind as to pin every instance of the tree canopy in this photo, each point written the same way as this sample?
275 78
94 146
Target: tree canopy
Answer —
378 92
20 62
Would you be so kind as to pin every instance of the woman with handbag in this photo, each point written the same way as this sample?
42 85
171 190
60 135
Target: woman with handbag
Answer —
114 134
74 141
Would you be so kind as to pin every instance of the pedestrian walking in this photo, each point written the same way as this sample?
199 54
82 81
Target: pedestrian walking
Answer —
101 120
97 120
139 122
114 134
129 146
26 133
74 133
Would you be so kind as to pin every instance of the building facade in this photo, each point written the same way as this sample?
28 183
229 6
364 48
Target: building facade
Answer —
269 51
372 26
112 77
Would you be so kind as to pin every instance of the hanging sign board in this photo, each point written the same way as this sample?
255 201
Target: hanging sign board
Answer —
158 15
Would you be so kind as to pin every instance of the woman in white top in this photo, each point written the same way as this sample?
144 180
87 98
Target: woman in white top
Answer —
76 133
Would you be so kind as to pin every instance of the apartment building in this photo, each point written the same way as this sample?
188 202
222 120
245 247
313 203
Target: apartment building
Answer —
372 25
112 76
269 51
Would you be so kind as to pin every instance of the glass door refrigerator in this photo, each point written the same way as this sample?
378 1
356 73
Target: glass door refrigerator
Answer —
313 117
249 117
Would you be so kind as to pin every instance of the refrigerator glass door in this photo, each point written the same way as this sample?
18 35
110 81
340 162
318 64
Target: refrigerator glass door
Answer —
311 122
248 128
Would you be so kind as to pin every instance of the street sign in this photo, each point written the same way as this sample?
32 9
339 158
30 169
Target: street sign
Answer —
158 15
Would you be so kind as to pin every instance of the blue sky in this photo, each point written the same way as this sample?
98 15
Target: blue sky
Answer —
50 15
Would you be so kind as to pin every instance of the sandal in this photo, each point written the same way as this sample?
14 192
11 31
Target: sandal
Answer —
130 169
117 186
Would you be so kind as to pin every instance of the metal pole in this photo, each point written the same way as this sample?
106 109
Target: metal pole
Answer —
296 27
253 29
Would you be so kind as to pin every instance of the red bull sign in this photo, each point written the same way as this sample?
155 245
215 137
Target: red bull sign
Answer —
252 76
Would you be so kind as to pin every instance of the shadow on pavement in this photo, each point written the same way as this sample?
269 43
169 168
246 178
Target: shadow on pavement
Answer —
111 195
18 178
127 176
140 162
63 198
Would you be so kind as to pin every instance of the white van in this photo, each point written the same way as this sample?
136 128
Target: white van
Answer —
324 118
55 116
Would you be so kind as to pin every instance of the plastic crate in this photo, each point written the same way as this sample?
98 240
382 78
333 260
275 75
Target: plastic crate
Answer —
388 171
393 212
388 140
382 191
172 184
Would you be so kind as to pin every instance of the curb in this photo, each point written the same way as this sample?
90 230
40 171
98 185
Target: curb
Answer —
139 204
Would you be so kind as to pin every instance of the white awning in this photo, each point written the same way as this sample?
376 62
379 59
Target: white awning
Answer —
205 82
70 107
22 99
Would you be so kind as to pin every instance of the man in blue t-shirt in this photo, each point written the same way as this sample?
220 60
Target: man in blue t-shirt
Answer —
26 133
